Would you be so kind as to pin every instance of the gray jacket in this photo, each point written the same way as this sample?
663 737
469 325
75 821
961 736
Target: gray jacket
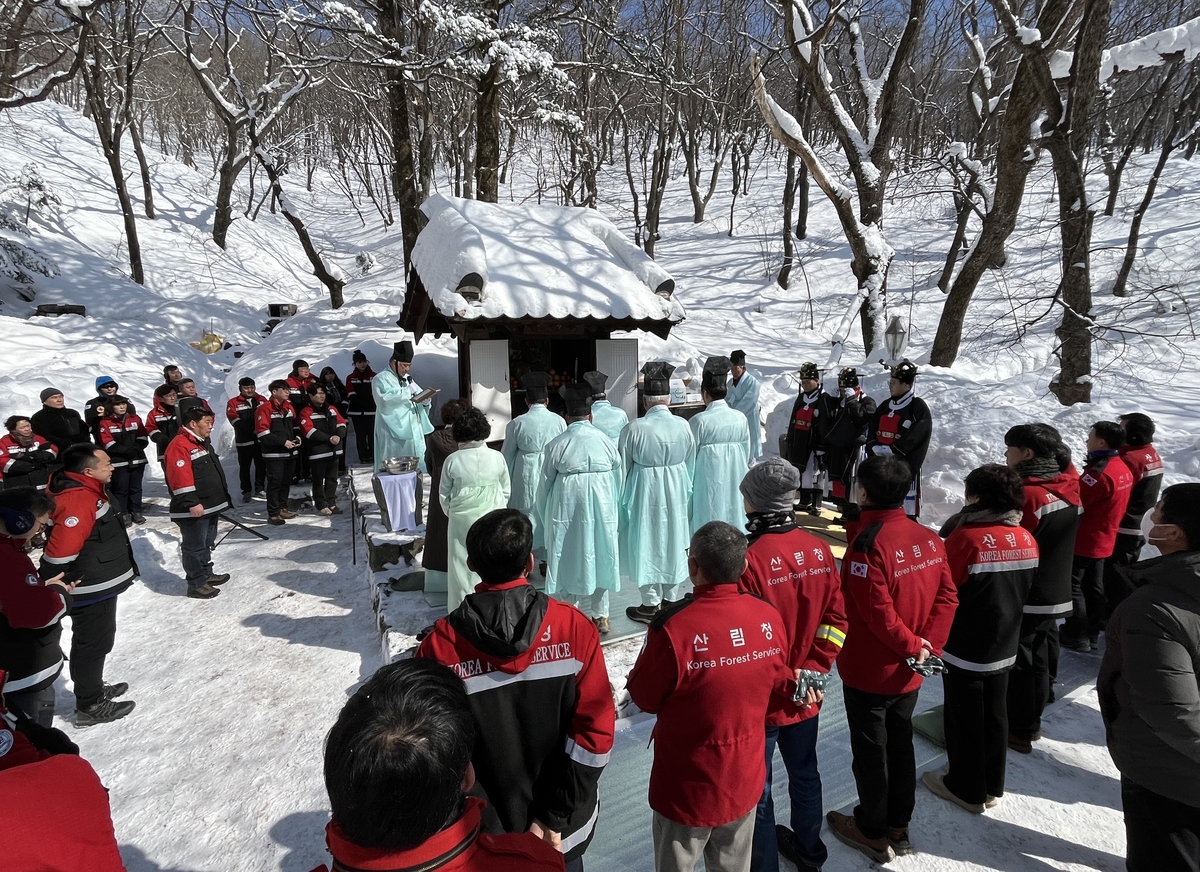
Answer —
1149 682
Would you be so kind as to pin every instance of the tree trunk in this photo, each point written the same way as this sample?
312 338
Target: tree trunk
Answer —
1116 169
232 162
487 136
144 166
789 200
660 174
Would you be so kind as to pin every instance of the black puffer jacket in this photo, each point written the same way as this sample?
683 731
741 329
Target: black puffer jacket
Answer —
1149 695
62 428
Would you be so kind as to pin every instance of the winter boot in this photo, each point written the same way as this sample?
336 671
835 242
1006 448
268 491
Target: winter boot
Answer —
216 578
204 591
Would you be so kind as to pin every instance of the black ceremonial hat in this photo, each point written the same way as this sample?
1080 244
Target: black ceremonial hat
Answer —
848 378
905 371
403 351
658 378
809 370
535 384
597 380
716 370
578 397
737 358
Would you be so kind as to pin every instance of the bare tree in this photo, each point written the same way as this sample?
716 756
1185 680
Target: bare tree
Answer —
40 48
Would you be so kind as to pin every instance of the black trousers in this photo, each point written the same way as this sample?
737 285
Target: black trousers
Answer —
279 483
37 705
976 717
126 488
1116 587
1029 681
1087 598
364 437
885 765
324 481
1161 834
93 629
251 455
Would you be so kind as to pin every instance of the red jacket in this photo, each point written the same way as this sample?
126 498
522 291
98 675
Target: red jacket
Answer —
125 439
710 669
1104 489
26 465
898 591
30 622
275 425
796 572
1147 469
1051 512
468 848
86 536
76 837
298 390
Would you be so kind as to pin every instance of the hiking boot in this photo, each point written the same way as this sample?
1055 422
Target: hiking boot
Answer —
845 827
216 579
603 626
275 521
1021 746
287 514
204 591
112 691
898 839
326 511
138 518
102 712
641 614
936 782
127 521
787 847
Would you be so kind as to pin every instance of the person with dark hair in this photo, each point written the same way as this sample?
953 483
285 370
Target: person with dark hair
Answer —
525 439
124 437
99 407
88 542
163 421
903 427
900 602
31 609
1149 698
796 572
1146 467
299 380
189 397
58 425
711 668
845 435
1050 511
324 431
336 397
360 406
577 502
198 495
172 375
544 733
397 771
439 445
400 424
278 434
993 561
721 435
474 482
811 414
743 395
26 458
240 411
607 418
1105 486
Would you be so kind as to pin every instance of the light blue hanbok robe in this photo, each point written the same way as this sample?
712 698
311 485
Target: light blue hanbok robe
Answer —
744 397
657 453
474 482
400 424
525 441
608 419
581 484
722 457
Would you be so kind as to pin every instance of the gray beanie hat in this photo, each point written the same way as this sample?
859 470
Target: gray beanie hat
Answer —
770 486
48 393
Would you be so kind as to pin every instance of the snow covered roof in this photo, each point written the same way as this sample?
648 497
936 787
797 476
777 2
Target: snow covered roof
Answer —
533 262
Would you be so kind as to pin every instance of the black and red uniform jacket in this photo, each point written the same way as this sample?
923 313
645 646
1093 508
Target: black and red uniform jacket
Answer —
124 438
273 426
92 418
712 669
30 622
993 564
26 465
1105 486
903 426
796 572
898 590
298 390
539 689
1146 467
162 424
240 411
359 399
87 537
1051 513
317 425
194 476
845 433
811 416
460 847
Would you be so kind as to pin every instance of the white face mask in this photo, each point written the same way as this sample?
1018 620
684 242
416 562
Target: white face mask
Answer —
1149 549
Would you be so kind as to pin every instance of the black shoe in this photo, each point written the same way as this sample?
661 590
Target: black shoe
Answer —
216 579
641 614
1075 643
260 493
247 496
127 521
1094 642
112 691
138 518
204 591
787 849
102 712
276 521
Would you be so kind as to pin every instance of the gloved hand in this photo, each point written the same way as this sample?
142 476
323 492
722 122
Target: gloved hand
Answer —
849 393
46 738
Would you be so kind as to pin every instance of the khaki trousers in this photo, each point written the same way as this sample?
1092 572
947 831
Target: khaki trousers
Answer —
726 848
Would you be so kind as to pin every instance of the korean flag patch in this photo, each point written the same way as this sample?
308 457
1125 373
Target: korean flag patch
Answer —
859 569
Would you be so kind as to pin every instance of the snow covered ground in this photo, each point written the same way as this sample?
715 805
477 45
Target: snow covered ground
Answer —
219 766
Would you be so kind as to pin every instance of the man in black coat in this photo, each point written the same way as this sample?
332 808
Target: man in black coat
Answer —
58 425
1149 696
805 433
845 434
902 427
